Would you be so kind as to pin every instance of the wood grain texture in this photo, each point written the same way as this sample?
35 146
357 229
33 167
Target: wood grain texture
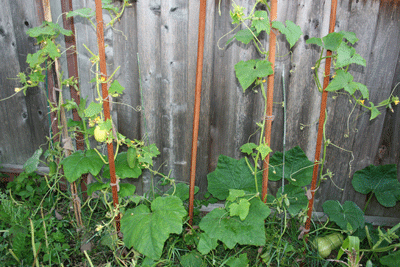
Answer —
164 34
24 122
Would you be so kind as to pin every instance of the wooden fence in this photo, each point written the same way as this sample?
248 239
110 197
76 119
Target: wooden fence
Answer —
162 34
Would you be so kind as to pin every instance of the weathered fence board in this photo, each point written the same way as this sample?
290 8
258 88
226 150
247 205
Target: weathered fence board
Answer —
164 35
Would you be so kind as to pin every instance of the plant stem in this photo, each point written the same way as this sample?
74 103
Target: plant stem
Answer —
369 199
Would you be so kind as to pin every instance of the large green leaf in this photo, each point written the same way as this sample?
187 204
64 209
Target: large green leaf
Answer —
122 169
80 163
32 163
391 260
248 71
147 230
291 31
231 174
298 169
380 180
231 230
297 198
348 213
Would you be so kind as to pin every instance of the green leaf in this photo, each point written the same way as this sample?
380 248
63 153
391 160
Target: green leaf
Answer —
347 55
83 12
181 191
248 71
315 40
126 189
37 77
245 36
231 174
381 181
52 50
32 163
391 260
232 230
374 111
93 109
93 187
206 243
234 194
122 169
341 80
297 198
358 86
80 163
192 259
261 21
240 209
115 88
291 31
248 148
332 41
35 59
264 149
298 169
146 231
341 215
241 261
148 153
349 36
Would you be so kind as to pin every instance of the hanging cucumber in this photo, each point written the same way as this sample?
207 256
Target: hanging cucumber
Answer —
326 244
52 168
131 157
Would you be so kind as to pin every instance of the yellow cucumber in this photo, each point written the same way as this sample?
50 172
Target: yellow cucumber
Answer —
100 135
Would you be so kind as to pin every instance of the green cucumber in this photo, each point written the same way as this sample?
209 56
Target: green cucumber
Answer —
131 157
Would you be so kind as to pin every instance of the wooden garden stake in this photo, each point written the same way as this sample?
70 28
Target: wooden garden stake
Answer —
321 119
106 104
196 113
72 64
270 95
66 138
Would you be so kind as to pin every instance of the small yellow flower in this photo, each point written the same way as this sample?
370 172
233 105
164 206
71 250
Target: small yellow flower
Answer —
102 79
361 101
99 227
396 102
334 76
264 80
17 89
